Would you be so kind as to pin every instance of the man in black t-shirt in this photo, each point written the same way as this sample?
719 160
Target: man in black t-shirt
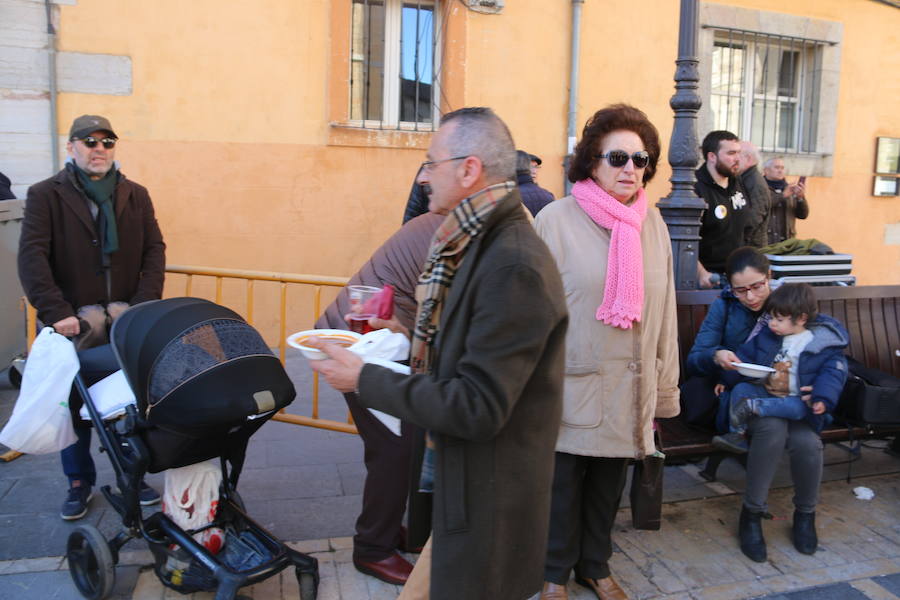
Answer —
727 211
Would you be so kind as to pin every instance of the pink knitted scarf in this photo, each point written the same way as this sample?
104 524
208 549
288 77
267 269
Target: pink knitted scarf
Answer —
623 295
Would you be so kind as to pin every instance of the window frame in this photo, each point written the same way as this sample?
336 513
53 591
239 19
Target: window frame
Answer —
712 17
801 138
392 59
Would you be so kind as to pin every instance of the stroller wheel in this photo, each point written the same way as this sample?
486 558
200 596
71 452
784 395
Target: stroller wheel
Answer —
91 562
15 377
308 585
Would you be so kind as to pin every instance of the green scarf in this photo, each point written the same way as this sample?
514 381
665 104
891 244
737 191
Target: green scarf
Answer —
100 191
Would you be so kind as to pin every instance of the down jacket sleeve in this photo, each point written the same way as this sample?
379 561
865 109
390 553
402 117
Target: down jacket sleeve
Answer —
708 341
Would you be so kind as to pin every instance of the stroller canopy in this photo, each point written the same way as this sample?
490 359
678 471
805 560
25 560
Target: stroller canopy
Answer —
195 366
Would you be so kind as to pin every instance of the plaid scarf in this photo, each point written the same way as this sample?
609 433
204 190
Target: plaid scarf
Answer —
448 248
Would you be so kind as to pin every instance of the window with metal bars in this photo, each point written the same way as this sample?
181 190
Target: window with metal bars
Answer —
394 64
766 88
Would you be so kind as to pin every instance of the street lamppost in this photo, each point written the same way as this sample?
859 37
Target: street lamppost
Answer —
682 208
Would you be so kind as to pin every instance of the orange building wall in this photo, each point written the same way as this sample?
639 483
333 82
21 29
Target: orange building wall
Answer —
228 123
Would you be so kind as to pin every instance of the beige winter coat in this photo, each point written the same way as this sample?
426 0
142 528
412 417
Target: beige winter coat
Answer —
617 380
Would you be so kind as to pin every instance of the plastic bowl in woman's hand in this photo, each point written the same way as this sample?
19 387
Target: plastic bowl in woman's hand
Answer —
751 370
336 336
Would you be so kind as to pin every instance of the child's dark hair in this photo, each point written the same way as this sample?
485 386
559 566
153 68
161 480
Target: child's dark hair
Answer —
743 257
793 300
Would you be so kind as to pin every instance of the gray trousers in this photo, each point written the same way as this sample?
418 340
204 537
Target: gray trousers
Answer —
769 436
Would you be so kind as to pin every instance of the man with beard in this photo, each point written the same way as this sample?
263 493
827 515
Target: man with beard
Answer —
90 248
727 212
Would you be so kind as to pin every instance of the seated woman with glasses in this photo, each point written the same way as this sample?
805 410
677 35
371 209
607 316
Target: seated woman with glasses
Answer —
735 317
615 258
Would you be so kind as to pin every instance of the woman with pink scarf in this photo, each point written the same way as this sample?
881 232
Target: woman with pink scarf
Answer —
614 255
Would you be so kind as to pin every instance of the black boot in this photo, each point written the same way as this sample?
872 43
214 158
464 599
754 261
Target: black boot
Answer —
750 533
804 532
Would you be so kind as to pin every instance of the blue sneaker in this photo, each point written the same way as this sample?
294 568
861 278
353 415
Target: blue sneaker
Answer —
147 495
76 503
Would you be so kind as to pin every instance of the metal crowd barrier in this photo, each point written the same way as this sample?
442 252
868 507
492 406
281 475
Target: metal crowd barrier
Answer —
284 279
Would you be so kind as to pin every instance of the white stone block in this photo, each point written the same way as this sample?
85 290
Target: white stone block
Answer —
892 234
94 73
76 72
26 159
23 24
24 113
23 68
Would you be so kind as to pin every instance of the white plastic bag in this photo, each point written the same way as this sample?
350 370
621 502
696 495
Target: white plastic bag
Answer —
382 347
41 422
191 498
110 396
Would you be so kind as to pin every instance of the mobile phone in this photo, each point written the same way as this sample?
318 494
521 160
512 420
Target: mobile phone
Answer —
802 180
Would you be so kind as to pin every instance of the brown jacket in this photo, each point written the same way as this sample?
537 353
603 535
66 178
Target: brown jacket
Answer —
493 404
59 249
399 262
617 380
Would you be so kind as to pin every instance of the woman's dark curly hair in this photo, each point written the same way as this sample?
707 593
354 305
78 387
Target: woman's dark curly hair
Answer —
605 121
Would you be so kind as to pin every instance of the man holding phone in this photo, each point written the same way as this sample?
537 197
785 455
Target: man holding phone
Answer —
788 201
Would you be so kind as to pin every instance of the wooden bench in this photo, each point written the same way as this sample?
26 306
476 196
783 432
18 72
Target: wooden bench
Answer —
871 315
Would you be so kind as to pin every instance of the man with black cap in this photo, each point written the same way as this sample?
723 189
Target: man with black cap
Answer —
534 197
89 248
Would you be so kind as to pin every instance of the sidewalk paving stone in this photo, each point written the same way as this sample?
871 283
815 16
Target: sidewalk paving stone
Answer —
305 485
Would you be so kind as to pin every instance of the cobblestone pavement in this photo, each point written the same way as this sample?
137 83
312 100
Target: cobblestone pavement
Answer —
693 556
305 485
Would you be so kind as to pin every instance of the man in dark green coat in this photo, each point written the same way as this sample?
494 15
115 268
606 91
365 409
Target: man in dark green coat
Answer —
488 360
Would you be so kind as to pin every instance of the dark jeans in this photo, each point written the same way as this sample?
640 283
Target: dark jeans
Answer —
387 459
96 363
764 404
586 494
769 436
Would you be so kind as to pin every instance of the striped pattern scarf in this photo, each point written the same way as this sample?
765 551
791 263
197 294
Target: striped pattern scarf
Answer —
448 248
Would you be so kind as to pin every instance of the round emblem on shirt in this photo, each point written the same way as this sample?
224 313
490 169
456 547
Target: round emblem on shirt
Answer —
721 211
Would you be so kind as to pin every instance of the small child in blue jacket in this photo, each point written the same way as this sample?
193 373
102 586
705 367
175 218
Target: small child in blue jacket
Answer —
805 349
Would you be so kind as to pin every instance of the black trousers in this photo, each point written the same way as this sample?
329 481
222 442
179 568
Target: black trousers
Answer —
586 495
387 458
699 404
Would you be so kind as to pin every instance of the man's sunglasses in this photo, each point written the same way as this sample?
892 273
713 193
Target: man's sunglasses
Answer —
619 158
91 142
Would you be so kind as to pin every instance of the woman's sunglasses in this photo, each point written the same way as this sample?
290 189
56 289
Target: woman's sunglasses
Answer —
91 142
619 158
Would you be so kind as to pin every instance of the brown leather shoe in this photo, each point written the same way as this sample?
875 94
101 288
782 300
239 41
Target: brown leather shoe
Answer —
554 591
393 569
606 588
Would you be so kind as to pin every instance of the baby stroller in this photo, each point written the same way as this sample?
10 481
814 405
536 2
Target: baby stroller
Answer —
204 381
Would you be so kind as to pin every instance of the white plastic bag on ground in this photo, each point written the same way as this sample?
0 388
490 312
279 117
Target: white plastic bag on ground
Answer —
41 422
191 498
